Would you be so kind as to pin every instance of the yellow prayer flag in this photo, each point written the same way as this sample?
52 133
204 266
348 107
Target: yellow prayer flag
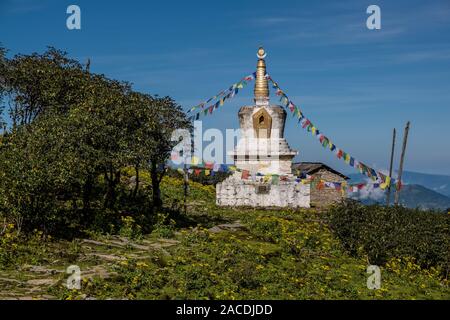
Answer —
386 183
194 160
347 158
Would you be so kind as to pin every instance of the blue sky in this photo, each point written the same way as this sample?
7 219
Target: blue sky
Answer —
355 84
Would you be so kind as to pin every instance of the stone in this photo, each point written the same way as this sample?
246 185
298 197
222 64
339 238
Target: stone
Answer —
41 269
42 282
232 227
107 257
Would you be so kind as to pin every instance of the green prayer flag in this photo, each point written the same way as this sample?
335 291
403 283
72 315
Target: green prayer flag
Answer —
275 179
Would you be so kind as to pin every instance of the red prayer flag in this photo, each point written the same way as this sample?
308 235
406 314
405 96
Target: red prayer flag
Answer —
245 174
307 122
209 165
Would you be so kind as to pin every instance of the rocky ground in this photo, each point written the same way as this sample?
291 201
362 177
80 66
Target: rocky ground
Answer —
95 258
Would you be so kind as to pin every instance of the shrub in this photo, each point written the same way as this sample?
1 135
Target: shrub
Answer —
130 228
383 233
8 244
164 227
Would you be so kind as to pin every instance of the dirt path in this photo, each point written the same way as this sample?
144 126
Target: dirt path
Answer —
94 257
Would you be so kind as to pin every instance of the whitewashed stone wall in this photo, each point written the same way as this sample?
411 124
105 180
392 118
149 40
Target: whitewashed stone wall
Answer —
237 192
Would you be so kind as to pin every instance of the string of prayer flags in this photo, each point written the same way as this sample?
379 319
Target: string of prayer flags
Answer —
316 182
305 123
382 180
221 97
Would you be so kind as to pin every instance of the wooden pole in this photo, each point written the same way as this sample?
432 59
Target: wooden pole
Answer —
388 196
186 186
402 158
88 65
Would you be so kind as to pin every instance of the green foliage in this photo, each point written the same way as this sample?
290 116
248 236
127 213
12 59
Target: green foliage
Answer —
8 245
164 226
301 259
16 249
2 84
38 83
211 179
242 265
130 228
74 132
383 233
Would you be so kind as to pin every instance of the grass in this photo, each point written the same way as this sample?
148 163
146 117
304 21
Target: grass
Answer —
276 254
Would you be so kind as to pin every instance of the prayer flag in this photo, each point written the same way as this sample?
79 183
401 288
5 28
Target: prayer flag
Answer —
275 179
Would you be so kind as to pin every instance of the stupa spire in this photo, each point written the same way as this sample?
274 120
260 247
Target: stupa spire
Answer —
261 90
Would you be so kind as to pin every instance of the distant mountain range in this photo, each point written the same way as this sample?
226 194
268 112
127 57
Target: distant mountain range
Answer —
428 191
435 182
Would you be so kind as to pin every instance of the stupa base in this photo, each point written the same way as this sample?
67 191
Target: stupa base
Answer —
237 192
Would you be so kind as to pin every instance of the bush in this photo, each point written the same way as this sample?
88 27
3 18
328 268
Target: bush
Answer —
130 228
164 226
8 244
383 233
202 178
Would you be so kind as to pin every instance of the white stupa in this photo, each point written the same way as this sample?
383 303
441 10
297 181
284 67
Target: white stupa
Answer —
262 150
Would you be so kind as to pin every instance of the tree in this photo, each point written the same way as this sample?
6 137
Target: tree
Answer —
36 83
73 134
150 122
2 83
169 117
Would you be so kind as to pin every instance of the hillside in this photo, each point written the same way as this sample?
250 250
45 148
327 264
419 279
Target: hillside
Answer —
211 253
414 195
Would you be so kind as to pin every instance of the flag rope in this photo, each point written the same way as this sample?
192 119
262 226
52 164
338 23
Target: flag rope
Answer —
224 95
380 178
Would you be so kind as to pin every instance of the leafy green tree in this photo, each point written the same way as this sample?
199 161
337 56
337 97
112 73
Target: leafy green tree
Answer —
40 82
149 127
73 134
169 117
3 65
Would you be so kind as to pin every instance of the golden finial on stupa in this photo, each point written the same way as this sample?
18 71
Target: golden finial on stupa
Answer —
261 90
